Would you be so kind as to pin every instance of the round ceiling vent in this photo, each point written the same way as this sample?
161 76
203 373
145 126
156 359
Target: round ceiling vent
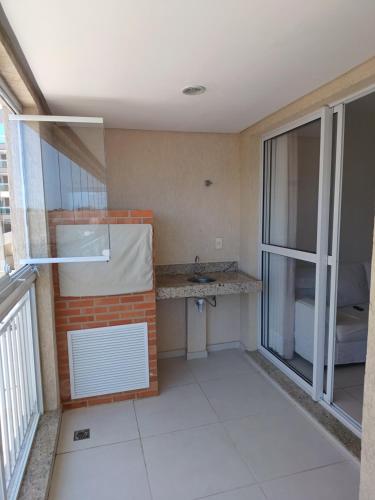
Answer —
194 90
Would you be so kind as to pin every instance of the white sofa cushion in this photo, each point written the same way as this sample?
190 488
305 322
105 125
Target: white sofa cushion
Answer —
351 324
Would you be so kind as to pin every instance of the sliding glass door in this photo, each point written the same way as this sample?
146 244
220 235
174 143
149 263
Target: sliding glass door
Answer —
350 263
316 248
295 225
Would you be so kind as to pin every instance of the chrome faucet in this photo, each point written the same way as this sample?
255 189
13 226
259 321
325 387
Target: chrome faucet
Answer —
196 260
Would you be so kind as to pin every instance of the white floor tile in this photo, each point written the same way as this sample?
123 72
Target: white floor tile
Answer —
335 482
111 472
220 364
191 456
243 395
278 445
176 408
173 372
248 493
195 463
108 424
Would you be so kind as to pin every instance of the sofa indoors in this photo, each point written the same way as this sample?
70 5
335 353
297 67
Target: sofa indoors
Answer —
352 313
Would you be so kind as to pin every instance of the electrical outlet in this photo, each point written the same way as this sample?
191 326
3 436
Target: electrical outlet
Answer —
219 243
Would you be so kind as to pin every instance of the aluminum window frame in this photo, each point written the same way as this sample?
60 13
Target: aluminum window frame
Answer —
319 258
326 397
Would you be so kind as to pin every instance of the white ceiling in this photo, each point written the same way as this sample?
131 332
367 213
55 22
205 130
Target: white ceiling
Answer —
127 60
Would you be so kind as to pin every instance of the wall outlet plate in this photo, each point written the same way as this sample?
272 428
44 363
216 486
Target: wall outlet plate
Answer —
219 243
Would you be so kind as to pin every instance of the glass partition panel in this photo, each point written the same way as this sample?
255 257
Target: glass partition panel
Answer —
65 190
6 244
13 243
349 330
288 307
291 185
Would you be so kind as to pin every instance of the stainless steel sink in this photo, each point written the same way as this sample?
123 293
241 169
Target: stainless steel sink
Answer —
201 279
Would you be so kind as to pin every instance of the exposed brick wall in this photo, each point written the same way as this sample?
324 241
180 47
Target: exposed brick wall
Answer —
75 313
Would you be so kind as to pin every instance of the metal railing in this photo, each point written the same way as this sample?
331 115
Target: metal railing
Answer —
20 397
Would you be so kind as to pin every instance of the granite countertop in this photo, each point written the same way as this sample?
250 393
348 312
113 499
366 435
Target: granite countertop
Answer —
173 286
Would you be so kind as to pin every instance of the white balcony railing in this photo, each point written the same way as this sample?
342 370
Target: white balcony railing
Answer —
20 401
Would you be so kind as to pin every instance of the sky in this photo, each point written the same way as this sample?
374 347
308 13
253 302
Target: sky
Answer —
2 133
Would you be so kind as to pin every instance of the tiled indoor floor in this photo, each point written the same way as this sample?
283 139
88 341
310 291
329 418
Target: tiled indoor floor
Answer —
219 430
348 385
348 391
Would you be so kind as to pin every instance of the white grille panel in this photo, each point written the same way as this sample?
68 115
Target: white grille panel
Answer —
108 360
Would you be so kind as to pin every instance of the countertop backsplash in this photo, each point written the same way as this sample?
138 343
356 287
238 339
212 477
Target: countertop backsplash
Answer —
200 267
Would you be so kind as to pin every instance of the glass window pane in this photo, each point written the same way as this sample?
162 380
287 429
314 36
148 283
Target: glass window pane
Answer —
288 305
355 256
63 165
6 243
291 183
12 212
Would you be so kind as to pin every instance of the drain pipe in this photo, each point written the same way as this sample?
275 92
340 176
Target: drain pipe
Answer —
200 303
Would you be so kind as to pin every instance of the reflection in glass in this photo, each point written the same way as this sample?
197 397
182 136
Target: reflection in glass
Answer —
291 183
65 184
288 305
355 255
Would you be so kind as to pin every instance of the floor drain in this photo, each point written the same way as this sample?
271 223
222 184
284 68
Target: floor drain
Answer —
81 434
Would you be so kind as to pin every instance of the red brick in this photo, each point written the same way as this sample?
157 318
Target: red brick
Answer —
81 303
99 400
141 213
134 220
106 317
132 298
121 308
114 299
81 319
61 321
124 396
70 312
145 306
70 405
119 213
95 324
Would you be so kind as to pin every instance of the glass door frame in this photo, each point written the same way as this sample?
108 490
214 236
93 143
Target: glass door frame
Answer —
319 258
317 392
333 259
333 262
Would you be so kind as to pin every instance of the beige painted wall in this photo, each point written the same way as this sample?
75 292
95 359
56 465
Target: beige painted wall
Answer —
368 422
165 172
223 323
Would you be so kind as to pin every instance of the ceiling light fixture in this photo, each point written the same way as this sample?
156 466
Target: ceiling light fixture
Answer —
194 90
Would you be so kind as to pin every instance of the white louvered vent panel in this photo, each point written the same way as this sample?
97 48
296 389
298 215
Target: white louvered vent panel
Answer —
108 360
